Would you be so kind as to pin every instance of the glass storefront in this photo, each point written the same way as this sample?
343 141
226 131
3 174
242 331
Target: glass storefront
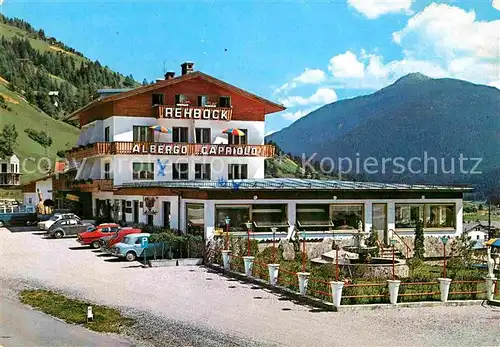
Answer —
346 217
432 215
239 215
264 217
314 217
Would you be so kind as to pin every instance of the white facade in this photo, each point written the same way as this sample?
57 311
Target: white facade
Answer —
45 188
10 171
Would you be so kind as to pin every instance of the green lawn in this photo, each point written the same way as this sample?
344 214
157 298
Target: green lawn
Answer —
24 116
480 216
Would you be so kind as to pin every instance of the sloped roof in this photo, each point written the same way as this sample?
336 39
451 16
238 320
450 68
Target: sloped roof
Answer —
271 107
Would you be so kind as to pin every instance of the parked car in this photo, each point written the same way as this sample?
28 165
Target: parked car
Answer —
130 248
107 242
45 225
68 227
91 237
16 215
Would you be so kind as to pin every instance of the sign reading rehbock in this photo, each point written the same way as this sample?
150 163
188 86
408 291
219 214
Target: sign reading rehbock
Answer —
187 112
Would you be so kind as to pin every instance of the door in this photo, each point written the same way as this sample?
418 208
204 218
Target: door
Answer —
136 211
379 221
150 219
166 214
124 211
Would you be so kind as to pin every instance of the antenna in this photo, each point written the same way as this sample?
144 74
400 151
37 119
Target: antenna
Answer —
164 65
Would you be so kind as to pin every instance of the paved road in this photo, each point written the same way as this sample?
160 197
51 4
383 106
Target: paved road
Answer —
196 297
22 326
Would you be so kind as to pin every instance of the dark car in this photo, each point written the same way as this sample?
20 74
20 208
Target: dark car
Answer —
68 227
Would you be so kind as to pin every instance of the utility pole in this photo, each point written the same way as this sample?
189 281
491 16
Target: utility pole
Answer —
489 219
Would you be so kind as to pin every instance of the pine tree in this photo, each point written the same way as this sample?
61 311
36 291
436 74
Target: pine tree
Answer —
419 248
8 139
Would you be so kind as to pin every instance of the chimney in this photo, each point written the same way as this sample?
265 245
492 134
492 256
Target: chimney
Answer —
187 67
169 75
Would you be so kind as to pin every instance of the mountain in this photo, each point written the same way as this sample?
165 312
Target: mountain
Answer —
417 116
42 79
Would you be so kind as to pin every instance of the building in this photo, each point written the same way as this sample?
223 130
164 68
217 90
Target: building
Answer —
191 175
10 174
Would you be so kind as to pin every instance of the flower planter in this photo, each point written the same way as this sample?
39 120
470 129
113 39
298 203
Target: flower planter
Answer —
248 261
189 261
163 262
490 288
336 292
226 260
273 273
444 287
393 291
303 281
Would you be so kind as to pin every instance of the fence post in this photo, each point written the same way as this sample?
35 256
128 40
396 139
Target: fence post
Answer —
273 273
336 287
444 288
490 288
393 291
226 259
303 281
248 260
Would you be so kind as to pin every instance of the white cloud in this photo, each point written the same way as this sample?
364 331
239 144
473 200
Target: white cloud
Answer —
495 84
346 65
320 97
374 8
293 116
309 76
496 4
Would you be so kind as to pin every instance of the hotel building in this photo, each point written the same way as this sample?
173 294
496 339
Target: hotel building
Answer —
192 175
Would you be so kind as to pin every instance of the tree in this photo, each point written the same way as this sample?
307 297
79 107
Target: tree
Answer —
462 250
129 81
145 82
419 249
8 139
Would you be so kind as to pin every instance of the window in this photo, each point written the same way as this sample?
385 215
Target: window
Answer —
477 237
4 168
237 171
225 101
432 215
201 171
238 140
202 135
195 218
180 171
407 216
179 134
143 171
106 134
346 217
266 216
143 133
107 171
239 215
181 99
202 100
12 167
157 99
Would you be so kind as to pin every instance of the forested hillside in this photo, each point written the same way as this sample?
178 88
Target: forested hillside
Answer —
49 74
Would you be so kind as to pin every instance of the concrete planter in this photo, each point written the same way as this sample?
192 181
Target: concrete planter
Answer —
226 260
273 273
303 281
163 262
190 261
248 262
444 287
490 287
393 291
336 292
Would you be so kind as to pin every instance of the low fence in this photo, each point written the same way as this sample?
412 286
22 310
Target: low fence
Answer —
348 293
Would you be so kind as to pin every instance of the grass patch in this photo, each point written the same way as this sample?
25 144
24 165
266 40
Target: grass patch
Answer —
106 320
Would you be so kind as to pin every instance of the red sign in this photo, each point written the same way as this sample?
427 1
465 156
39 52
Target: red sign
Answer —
188 112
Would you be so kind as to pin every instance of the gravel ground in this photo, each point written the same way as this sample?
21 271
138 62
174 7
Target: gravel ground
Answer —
190 306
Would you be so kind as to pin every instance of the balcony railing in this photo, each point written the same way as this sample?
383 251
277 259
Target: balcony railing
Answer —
91 185
10 179
194 112
163 148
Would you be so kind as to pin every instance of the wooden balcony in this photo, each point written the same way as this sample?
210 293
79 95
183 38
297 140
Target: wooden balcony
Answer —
194 112
163 148
63 184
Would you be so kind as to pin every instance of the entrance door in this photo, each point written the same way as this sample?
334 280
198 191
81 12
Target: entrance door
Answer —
166 214
150 219
379 221
136 211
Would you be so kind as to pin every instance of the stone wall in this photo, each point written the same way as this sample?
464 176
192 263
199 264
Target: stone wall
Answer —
433 247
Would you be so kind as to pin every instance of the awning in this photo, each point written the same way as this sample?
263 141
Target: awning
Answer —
315 224
493 243
284 224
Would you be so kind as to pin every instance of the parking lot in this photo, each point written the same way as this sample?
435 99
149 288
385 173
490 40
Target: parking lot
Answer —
195 296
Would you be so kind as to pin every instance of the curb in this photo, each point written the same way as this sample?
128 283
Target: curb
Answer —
494 302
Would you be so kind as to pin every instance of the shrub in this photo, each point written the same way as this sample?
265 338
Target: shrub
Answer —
39 136
419 248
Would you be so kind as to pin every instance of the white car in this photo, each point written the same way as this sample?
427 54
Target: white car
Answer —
45 225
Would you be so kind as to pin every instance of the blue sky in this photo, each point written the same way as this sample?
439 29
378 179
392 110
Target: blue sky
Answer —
302 54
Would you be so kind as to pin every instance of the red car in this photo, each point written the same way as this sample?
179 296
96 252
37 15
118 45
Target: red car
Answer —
92 236
108 242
